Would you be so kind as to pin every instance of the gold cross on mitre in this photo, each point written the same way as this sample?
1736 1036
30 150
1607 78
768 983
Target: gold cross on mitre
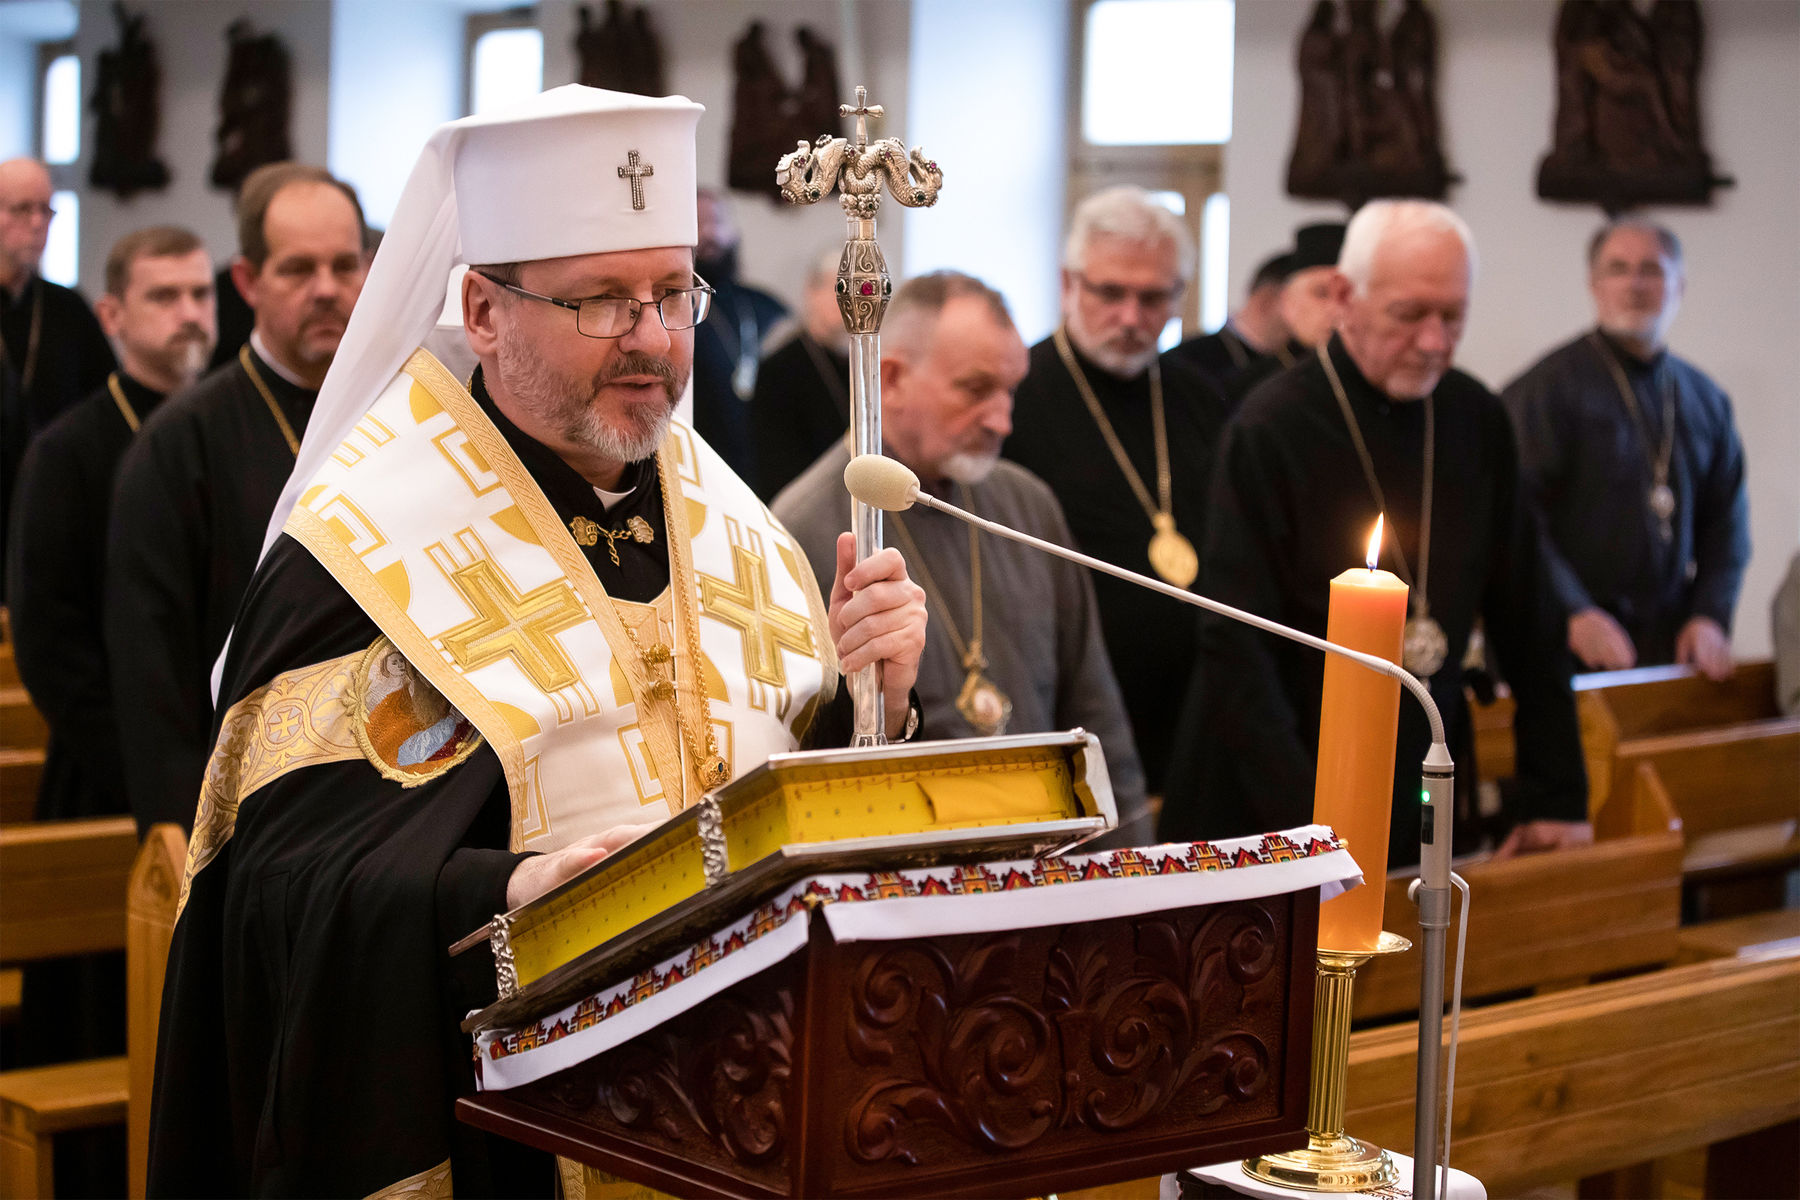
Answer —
510 625
766 627
637 174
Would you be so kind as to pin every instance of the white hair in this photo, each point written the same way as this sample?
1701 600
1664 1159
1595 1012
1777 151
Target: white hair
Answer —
1377 220
1131 213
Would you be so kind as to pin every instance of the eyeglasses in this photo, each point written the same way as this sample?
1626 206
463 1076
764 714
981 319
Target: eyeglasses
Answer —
29 208
1114 294
616 316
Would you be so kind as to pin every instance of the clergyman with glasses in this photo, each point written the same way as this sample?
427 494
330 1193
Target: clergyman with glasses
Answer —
504 624
1126 442
1632 454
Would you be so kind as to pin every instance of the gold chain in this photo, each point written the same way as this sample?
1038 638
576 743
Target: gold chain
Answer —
28 369
713 771
1164 480
287 430
1661 457
118 395
1423 604
969 653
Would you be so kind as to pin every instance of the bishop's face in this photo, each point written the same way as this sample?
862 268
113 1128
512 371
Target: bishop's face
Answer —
1636 288
1403 330
600 403
1116 305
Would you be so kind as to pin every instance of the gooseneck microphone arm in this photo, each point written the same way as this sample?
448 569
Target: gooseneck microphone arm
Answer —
884 483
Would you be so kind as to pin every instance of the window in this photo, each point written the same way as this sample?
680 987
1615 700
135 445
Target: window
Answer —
1152 107
62 248
61 132
59 146
506 60
1157 73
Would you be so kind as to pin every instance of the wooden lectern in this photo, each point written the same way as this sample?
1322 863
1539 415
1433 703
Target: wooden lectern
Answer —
993 1028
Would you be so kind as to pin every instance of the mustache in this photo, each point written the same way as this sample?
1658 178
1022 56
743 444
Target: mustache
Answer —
638 362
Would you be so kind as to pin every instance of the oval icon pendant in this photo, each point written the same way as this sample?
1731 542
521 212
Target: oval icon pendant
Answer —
1171 555
1423 647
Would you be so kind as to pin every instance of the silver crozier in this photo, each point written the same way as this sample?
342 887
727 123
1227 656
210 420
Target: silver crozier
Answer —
858 169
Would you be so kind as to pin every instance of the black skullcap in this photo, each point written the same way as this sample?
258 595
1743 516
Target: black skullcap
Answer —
1317 245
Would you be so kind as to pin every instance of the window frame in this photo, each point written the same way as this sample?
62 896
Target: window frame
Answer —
477 26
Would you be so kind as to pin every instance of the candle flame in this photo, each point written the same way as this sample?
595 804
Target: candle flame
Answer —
1374 554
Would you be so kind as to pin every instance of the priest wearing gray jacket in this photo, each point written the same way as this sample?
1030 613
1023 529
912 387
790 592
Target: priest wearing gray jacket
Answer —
1013 644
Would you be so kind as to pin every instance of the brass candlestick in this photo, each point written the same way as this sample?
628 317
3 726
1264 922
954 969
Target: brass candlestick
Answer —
1332 1161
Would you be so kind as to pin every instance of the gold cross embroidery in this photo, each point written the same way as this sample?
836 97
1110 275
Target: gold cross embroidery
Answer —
766 627
508 624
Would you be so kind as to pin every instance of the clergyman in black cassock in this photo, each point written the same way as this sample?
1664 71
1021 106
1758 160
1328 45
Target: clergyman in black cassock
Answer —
802 401
1292 508
190 508
1253 340
1116 297
729 344
1590 418
52 351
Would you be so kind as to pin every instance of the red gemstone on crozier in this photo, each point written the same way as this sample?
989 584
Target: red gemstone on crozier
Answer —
868 289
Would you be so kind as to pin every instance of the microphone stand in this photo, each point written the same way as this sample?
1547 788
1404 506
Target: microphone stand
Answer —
1436 796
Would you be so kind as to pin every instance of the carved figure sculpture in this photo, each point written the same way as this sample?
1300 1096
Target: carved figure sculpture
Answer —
255 105
622 52
1627 128
127 107
768 116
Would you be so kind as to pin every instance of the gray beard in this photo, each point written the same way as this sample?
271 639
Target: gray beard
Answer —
1126 366
968 468
567 405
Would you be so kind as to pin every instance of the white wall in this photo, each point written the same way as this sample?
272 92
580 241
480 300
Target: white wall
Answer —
995 123
1742 318
384 105
190 39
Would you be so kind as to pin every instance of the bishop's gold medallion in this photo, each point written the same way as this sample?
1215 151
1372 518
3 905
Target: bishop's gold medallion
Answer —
983 705
1171 554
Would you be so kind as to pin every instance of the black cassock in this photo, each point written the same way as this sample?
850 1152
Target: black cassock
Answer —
56 581
310 1040
1229 362
70 359
190 509
1290 510
1589 471
729 339
802 406
1150 638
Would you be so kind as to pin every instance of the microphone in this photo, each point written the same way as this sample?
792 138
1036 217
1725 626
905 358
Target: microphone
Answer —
883 483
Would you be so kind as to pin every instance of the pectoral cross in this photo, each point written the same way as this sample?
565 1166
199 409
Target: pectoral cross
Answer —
637 174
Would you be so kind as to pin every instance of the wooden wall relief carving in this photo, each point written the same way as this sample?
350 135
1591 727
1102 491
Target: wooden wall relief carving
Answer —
621 52
768 116
1368 121
255 105
127 106
1627 128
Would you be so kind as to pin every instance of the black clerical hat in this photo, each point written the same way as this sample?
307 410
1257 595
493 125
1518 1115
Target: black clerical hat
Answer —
1317 246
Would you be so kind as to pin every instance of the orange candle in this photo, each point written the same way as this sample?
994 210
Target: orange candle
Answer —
1358 720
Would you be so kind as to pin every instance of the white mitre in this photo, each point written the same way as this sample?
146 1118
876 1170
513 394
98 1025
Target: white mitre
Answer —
574 170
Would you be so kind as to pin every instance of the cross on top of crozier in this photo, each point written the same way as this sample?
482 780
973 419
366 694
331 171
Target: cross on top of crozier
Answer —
862 110
637 174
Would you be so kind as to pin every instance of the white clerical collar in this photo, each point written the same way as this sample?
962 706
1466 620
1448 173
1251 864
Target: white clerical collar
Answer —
609 499
274 364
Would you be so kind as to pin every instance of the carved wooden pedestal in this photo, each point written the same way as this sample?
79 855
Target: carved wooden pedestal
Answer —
1011 1063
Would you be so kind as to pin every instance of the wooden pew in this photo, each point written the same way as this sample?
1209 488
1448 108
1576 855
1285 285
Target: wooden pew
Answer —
20 772
9 667
1549 921
21 726
62 892
1552 1088
149 928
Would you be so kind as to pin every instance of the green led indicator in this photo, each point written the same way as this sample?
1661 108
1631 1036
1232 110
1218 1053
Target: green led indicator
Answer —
1424 796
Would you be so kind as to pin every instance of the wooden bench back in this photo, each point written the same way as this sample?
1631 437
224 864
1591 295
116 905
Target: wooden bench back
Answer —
1552 1088
149 928
1659 700
62 887
1548 920
1724 778
20 771
21 725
